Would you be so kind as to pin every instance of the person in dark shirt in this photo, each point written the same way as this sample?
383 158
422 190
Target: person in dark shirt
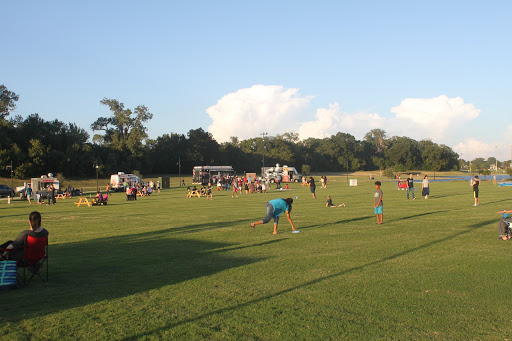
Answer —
330 204
312 186
13 250
475 183
410 187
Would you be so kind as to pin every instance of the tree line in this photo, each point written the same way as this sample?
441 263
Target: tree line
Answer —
121 143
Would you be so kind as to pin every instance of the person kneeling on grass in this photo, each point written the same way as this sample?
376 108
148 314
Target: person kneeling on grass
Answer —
503 224
330 204
274 209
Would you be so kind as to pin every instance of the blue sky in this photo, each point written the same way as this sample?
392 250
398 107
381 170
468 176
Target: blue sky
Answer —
436 69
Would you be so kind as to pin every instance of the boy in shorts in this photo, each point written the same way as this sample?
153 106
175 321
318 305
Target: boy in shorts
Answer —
377 203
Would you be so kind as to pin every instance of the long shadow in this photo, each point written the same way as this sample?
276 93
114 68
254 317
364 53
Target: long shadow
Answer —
339 222
494 202
446 195
470 229
114 267
193 228
416 216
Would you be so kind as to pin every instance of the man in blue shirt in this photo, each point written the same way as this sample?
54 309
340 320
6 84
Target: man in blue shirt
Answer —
274 209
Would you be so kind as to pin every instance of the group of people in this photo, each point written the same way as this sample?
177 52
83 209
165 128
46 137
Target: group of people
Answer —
425 187
133 188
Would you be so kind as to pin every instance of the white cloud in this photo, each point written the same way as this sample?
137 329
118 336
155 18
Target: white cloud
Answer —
433 117
331 120
471 148
275 109
251 111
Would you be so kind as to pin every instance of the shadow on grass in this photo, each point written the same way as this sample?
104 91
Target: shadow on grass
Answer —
339 222
115 267
469 229
495 202
416 216
446 195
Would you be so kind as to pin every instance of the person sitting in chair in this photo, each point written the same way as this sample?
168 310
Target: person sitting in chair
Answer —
503 224
13 250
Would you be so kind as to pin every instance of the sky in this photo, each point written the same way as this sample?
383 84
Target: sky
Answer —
436 70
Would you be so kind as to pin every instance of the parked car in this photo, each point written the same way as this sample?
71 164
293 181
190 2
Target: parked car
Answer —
6 191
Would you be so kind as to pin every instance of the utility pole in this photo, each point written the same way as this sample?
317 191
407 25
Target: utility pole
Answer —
496 153
179 169
12 184
346 167
97 183
263 134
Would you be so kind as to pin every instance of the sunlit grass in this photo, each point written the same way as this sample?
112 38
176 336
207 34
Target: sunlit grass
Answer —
167 267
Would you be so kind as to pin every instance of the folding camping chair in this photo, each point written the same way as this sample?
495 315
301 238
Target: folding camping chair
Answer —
35 260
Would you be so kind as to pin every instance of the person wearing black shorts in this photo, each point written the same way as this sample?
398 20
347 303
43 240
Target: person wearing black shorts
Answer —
475 183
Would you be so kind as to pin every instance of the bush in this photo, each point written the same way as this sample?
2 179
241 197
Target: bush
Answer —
306 169
390 172
136 172
61 178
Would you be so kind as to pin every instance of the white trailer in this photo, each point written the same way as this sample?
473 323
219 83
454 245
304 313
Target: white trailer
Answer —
283 174
117 180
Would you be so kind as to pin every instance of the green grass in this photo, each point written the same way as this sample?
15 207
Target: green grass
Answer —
167 267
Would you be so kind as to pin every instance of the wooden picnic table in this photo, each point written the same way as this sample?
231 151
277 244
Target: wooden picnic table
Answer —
60 196
196 193
83 200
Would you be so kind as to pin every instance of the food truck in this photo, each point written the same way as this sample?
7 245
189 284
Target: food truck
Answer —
117 180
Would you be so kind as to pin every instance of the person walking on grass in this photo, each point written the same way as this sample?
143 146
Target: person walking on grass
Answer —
209 195
425 189
410 187
475 183
28 193
377 203
312 186
274 209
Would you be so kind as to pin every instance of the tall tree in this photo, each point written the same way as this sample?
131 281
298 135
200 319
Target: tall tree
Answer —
8 101
124 129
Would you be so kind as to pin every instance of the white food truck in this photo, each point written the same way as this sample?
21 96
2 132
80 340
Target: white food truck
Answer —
117 180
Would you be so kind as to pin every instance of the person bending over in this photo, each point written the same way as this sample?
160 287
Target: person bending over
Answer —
274 209
330 204
13 250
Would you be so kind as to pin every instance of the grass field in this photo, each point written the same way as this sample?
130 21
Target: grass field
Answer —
167 267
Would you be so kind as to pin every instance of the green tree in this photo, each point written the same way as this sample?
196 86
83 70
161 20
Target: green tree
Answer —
124 129
377 137
403 153
8 101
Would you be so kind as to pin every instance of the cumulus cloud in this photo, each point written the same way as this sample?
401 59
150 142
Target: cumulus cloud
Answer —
331 120
435 116
472 148
274 109
260 108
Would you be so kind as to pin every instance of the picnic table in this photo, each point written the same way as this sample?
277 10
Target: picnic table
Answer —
196 193
60 196
140 194
84 201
